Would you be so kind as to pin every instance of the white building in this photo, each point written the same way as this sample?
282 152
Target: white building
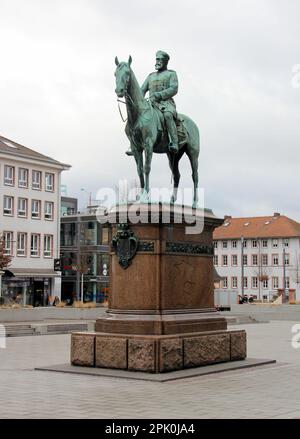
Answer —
30 222
270 254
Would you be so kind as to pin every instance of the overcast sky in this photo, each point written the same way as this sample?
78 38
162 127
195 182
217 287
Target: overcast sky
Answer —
234 61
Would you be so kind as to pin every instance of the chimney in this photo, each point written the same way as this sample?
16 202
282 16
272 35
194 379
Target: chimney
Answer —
276 214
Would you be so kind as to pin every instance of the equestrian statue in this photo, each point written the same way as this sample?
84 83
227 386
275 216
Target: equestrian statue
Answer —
154 125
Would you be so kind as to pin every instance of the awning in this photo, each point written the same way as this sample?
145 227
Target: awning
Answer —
8 273
32 272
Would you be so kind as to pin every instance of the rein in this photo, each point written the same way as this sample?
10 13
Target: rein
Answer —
124 120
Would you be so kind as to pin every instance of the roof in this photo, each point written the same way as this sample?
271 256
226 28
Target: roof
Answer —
276 226
8 146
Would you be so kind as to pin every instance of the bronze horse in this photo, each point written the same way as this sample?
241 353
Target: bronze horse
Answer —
146 133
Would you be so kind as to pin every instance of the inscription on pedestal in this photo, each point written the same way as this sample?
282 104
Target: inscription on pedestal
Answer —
189 248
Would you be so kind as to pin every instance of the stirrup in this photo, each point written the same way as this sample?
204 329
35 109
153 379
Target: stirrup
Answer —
173 148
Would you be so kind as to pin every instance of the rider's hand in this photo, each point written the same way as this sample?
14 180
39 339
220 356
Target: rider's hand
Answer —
157 96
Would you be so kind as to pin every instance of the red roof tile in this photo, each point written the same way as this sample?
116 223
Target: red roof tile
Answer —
278 226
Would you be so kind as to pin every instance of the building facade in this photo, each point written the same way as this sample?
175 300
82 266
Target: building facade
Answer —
84 256
30 223
259 256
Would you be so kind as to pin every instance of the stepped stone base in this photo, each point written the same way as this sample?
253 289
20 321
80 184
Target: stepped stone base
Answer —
156 353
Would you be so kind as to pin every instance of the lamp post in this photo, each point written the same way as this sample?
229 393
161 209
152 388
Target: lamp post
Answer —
284 276
242 265
1 273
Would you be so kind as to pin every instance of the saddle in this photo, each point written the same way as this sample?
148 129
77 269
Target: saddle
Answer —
181 129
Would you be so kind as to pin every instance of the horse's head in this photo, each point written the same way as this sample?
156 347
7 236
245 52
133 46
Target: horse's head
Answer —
122 75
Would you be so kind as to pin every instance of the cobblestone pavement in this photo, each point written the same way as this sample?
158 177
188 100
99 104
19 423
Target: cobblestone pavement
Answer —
265 392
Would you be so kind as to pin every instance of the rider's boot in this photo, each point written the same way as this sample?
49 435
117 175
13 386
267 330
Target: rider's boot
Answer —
172 131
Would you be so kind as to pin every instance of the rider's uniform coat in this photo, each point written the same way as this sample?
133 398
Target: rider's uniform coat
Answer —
166 83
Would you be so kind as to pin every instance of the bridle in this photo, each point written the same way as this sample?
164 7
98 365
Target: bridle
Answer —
129 98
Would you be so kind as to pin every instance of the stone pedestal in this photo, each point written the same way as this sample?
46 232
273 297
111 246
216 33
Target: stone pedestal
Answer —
161 314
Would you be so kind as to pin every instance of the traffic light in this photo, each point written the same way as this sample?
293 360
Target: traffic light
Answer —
58 264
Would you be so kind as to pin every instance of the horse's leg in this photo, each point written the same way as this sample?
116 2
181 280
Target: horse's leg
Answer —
174 162
193 155
148 160
139 163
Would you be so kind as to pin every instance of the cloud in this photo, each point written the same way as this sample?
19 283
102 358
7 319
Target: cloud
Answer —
234 61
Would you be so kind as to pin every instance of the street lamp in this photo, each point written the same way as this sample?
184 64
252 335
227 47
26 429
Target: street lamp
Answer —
242 264
1 274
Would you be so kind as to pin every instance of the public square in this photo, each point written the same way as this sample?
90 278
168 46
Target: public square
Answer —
262 392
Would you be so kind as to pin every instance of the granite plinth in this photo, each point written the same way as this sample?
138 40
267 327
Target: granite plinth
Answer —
157 353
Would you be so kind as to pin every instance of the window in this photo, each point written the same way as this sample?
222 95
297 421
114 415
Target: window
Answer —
216 244
22 207
48 246
8 243
254 260
285 242
224 244
215 260
286 259
105 235
234 244
275 282
245 282
9 175
35 209
245 243
23 177
225 282
265 243
48 210
275 260
224 260
234 282
49 182
8 205
68 234
234 260
254 243
275 243
35 245
36 180
265 283
287 282
21 244
245 260
264 260
254 282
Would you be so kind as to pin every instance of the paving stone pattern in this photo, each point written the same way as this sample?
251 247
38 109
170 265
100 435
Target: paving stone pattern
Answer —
265 392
